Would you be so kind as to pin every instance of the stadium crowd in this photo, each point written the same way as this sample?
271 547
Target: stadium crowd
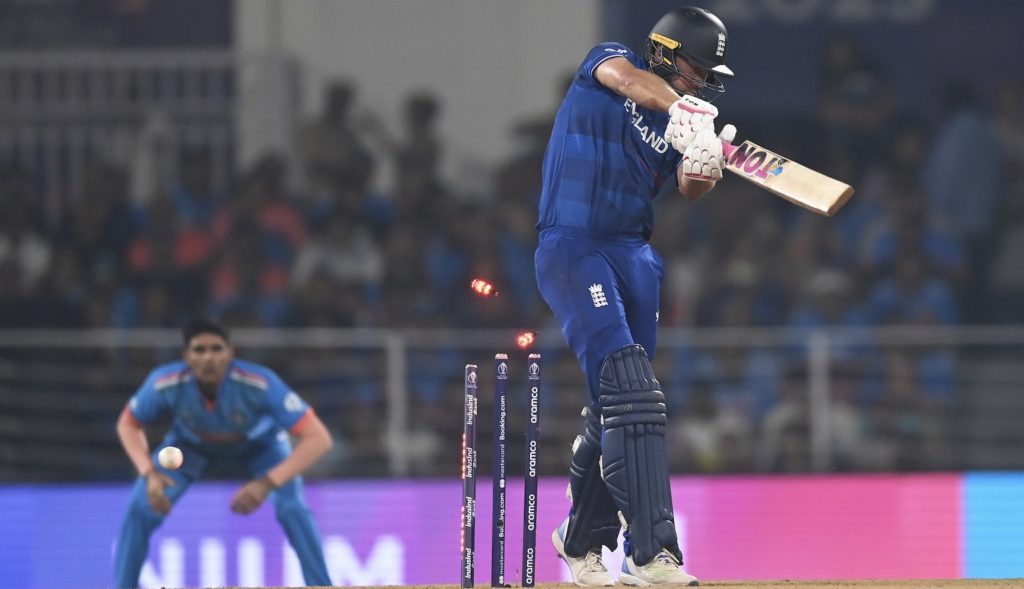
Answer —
360 232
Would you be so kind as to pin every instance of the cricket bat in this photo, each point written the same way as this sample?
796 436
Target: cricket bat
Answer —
796 183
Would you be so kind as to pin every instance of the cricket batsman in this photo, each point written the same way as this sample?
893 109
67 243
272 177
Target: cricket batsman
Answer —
627 125
223 410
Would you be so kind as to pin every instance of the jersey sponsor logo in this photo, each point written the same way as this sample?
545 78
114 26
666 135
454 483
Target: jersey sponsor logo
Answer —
756 162
649 135
597 295
250 378
613 50
292 402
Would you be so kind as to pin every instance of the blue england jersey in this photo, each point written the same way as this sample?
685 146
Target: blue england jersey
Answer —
607 158
252 403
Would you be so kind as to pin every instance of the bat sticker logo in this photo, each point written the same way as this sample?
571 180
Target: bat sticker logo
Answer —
756 162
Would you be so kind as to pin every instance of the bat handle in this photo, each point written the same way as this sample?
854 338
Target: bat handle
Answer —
727 149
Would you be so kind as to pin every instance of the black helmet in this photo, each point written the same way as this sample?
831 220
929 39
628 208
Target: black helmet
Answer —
697 36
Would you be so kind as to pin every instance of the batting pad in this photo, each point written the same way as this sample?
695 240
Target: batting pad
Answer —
594 519
635 466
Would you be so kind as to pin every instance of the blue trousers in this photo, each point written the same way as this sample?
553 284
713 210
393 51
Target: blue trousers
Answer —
604 295
140 520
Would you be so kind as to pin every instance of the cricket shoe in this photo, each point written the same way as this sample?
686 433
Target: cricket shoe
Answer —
662 570
587 570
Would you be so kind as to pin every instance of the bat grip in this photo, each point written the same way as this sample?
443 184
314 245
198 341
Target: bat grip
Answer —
727 149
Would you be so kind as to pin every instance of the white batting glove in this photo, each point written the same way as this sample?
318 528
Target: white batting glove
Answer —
703 159
688 116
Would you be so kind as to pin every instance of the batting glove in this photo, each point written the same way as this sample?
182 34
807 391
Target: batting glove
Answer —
703 159
689 116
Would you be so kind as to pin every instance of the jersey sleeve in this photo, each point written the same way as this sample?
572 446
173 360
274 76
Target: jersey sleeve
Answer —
600 54
285 406
147 405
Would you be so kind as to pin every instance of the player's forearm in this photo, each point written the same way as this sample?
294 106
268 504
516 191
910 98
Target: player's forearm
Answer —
133 440
694 188
649 91
314 442
640 86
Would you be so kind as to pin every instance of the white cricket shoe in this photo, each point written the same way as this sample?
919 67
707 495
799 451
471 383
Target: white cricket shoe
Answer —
662 570
587 570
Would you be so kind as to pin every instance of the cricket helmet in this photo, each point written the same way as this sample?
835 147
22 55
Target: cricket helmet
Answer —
697 36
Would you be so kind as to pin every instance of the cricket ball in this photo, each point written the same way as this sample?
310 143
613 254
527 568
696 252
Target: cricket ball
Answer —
170 458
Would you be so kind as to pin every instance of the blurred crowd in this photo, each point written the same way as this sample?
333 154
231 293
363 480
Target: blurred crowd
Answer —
361 228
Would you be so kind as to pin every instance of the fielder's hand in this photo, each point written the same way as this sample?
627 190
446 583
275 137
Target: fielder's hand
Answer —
251 496
156 481
689 116
703 159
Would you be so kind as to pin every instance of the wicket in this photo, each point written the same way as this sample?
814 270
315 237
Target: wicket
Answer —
498 491
499 486
530 474
467 540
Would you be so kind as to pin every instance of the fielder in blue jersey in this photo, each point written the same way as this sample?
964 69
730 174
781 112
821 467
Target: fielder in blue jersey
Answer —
223 409
628 124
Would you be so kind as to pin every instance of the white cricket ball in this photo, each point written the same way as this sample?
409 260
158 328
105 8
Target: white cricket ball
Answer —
170 458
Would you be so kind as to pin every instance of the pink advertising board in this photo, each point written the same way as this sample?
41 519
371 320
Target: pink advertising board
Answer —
407 532
805 527
822 527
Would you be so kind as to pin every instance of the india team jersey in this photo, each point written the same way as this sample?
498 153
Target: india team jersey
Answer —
607 157
252 403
